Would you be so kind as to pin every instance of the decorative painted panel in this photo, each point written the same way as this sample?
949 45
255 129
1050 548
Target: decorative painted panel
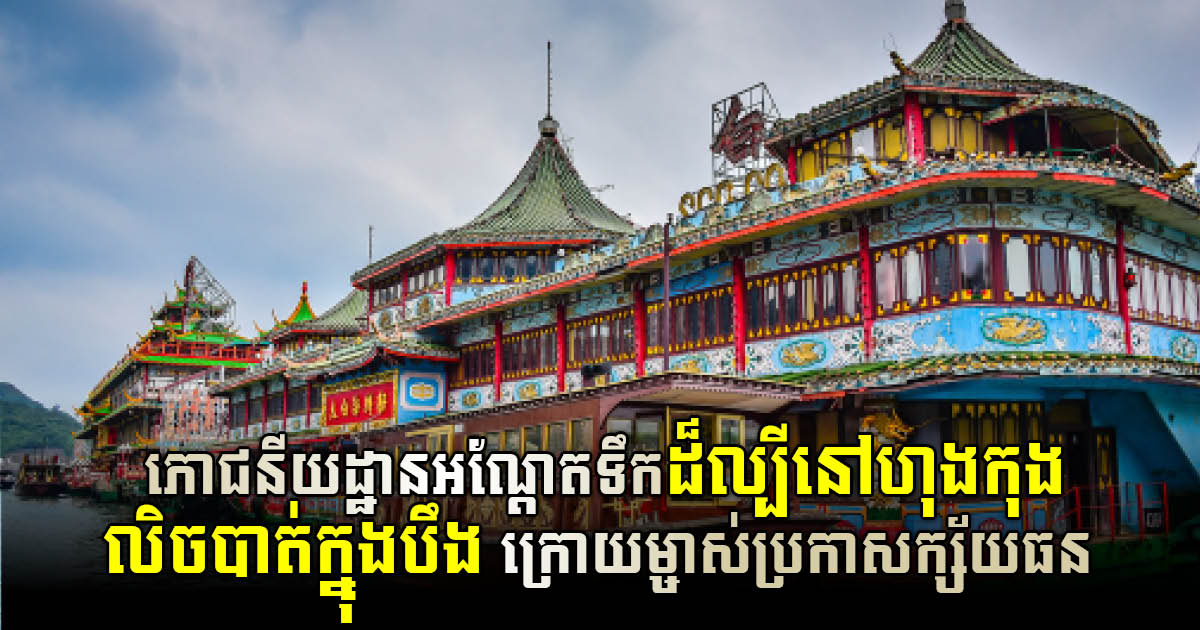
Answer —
710 361
825 349
471 398
598 304
798 248
528 389
996 329
421 391
467 292
474 331
423 305
526 322
296 424
707 277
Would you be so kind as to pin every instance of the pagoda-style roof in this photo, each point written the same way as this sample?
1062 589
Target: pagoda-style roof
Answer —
341 318
960 51
546 203
959 60
339 357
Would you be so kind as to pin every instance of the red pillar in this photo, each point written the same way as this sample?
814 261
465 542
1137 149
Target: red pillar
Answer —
739 315
1122 290
498 377
560 346
914 128
1055 136
639 330
866 288
1012 136
370 297
403 291
792 175
449 276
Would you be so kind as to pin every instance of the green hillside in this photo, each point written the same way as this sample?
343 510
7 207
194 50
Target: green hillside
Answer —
24 423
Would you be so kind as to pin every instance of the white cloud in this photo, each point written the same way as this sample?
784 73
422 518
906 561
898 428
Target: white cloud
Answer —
283 130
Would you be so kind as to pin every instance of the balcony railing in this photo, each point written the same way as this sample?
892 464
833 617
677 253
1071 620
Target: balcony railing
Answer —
188 349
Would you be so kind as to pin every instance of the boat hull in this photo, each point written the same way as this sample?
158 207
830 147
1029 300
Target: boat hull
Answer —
40 489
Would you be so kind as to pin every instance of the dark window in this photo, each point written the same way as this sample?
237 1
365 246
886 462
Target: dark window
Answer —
975 268
942 270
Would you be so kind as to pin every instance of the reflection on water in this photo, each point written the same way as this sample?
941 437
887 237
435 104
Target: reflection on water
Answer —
55 539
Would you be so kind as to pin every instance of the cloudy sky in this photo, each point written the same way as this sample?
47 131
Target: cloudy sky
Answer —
264 137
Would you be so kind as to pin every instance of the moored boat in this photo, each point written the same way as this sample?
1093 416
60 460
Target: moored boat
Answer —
40 477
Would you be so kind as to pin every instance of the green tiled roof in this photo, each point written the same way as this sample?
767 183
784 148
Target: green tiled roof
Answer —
961 51
343 316
548 197
340 318
546 201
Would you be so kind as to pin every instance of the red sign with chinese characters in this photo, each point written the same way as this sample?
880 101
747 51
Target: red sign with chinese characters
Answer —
362 404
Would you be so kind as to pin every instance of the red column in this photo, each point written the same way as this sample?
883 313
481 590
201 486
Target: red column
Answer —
792 175
370 298
449 275
403 290
1122 290
1055 136
498 377
560 346
866 288
739 315
1012 136
639 330
914 128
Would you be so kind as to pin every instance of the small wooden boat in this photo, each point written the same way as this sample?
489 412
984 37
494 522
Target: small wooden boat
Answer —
40 477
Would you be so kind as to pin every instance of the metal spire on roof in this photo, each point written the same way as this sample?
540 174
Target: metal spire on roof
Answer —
956 11
548 126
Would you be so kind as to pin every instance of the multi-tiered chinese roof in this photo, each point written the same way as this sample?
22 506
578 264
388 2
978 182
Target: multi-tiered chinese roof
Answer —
546 203
962 63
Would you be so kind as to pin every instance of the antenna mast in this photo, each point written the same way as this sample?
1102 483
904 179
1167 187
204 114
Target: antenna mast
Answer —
547 78
370 243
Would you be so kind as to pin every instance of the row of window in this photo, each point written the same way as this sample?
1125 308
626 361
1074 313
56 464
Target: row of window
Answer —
1163 293
601 338
476 365
931 272
421 277
1033 268
555 437
488 266
698 320
530 353
803 299
946 130
297 402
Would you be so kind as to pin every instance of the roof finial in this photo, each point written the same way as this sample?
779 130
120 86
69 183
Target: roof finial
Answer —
548 126
956 11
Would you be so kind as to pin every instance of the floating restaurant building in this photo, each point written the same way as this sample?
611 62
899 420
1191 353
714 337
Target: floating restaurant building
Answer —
158 394
958 252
